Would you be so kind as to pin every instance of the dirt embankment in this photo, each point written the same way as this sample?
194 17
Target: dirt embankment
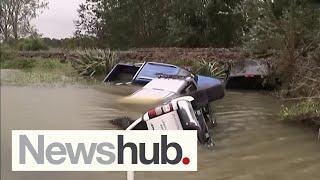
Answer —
155 54
175 54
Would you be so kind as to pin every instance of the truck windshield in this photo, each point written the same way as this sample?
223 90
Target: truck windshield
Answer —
150 70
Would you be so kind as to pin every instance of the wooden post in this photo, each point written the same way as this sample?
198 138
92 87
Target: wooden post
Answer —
130 174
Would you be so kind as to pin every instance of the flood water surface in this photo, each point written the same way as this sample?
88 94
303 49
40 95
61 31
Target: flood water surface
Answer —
251 142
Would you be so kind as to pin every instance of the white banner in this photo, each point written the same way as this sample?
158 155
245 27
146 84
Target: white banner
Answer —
103 150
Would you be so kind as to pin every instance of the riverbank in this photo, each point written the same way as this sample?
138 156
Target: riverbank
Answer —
36 71
306 112
41 72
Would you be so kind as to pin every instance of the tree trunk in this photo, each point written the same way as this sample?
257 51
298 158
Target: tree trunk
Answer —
6 35
15 25
15 32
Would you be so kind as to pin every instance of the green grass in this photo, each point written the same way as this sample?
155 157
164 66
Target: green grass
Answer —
37 71
34 64
308 110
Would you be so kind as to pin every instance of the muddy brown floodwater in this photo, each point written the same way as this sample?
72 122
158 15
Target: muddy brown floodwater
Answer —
251 143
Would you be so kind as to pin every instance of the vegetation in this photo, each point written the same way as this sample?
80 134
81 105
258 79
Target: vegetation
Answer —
148 23
204 67
82 42
34 70
288 28
32 43
308 110
34 64
5 53
95 61
37 71
16 16
213 69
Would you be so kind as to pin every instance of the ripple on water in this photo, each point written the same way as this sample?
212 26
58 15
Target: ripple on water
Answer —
251 143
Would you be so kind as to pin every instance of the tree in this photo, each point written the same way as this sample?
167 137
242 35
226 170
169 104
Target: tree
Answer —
124 23
147 23
187 23
5 27
223 24
16 16
290 29
89 14
292 26
203 23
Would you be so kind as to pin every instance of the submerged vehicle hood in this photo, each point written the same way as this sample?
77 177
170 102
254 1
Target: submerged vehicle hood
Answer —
147 96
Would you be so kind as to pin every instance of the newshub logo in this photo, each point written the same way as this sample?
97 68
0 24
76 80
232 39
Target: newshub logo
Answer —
53 150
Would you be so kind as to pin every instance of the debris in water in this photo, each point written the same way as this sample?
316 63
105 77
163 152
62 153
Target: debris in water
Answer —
122 122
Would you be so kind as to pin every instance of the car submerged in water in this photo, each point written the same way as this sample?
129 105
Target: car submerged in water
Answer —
248 74
184 98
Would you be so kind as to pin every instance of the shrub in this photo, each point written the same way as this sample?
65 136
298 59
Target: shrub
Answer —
32 44
95 61
5 54
215 69
211 69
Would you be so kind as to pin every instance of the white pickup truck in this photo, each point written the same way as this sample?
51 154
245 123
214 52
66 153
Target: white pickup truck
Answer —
177 114
189 96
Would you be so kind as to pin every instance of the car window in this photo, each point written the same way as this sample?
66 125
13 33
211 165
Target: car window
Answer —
152 69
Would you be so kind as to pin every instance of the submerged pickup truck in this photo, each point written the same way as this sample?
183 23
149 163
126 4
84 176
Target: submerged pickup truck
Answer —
166 82
144 73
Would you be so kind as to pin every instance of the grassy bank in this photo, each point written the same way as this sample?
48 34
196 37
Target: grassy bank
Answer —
25 71
307 112
37 64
